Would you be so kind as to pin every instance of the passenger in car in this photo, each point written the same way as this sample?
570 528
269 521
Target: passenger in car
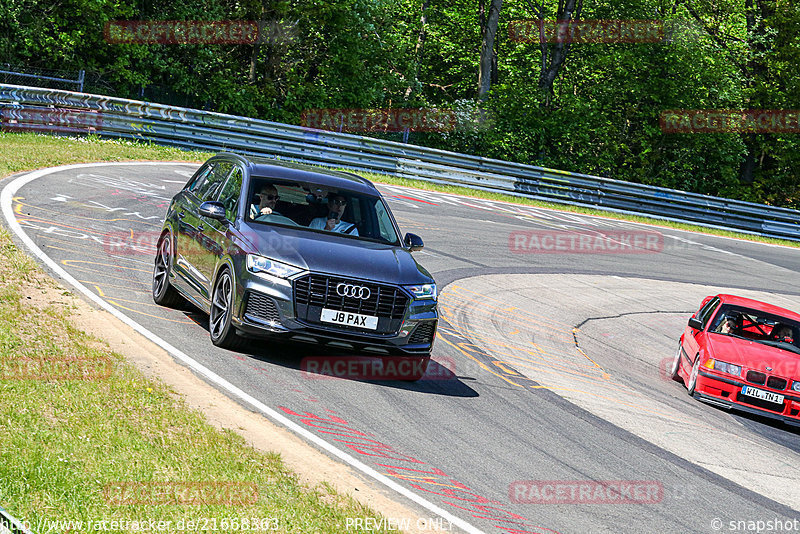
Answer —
333 221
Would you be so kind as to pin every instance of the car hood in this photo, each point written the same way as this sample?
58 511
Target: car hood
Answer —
753 355
337 255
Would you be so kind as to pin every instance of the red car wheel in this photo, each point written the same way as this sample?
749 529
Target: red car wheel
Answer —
690 387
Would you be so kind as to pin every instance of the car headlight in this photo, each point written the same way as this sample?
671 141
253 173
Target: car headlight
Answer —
724 367
260 264
796 386
423 291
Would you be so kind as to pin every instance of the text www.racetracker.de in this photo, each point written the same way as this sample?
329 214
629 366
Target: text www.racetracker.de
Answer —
201 524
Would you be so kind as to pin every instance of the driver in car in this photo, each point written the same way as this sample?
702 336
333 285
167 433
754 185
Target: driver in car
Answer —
781 331
268 197
729 325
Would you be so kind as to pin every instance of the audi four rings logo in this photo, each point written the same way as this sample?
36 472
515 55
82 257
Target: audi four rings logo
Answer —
350 290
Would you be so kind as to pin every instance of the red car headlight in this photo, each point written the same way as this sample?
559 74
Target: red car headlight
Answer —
723 367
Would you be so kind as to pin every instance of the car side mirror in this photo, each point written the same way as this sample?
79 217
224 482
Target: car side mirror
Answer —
413 242
212 210
697 324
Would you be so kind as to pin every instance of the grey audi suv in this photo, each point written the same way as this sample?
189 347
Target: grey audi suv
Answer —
279 249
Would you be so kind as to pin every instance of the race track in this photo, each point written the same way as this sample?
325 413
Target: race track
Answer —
550 364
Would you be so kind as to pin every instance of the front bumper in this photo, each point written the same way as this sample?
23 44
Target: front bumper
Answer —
725 392
266 307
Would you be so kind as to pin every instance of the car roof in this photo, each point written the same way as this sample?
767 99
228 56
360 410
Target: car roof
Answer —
262 167
758 305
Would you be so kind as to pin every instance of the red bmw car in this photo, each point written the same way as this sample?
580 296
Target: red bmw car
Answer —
742 354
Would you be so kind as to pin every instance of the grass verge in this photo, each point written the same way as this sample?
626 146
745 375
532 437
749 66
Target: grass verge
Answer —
85 437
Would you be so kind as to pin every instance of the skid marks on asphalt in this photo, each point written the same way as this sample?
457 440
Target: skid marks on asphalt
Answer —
532 350
118 270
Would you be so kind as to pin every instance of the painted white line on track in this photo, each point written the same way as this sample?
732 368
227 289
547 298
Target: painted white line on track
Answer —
6 198
455 199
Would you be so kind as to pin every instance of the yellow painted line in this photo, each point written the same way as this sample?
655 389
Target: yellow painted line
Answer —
543 329
426 480
72 262
545 372
93 282
95 255
481 364
148 314
483 298
481 306
605 374
151 304
513 333
99 291
541 353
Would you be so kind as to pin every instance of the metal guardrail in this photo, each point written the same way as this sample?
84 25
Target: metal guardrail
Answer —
50 110
10 525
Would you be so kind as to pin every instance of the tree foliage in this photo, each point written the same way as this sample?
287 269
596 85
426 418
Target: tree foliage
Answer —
597 113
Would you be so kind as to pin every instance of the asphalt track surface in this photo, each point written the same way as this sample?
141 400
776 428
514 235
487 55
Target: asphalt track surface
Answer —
549 365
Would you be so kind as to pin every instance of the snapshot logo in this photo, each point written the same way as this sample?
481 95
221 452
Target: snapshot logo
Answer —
180 493
182 32
56 369
586 31
730 121
573 242
380 120
374 368
586 492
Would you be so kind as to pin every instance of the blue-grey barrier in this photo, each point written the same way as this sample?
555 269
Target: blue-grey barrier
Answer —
50 110
10 525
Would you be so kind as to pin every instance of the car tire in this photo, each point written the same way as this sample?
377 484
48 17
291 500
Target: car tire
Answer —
220 324
163 292
674 372
420 367
692 384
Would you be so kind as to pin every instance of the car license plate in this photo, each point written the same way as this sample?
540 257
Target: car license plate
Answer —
763 395
349 319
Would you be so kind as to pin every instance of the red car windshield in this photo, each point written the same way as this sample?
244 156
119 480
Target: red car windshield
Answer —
757 325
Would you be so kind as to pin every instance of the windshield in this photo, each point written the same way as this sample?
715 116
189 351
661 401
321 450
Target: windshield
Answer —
320 209
759 326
